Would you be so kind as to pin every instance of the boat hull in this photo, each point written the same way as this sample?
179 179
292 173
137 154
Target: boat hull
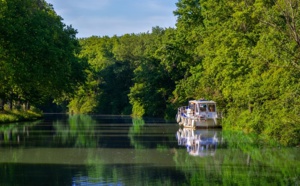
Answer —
191 122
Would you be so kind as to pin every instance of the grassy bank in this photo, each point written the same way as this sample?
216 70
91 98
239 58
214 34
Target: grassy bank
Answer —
9 116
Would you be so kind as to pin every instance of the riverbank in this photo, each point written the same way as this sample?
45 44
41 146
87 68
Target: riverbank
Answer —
10 116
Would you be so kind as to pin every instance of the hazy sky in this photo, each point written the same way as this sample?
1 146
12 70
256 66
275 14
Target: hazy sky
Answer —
115 17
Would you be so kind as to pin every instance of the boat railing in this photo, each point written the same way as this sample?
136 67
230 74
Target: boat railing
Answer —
182 111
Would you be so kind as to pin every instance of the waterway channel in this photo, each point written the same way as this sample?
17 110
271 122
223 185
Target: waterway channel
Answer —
119 150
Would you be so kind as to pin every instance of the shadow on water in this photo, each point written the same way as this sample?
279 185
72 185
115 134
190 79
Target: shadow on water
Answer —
120 150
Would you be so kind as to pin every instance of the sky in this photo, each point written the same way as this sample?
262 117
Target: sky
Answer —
115 17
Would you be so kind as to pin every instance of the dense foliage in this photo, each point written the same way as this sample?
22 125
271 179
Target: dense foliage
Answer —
242 54
37 54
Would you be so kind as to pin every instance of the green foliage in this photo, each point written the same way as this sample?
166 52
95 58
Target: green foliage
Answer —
138 109
9 116
248 63
37 53
126 75
108 80
242 54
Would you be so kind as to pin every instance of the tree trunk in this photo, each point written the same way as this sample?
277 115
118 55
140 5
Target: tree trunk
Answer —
27 105
10 104
1 105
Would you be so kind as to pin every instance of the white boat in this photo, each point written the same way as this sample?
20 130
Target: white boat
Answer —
199 113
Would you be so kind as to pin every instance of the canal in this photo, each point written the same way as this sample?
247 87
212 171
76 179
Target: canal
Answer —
120 150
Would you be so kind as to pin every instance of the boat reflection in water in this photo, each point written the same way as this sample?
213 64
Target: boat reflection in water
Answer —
199 142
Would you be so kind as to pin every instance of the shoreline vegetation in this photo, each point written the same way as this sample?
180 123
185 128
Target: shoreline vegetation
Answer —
242 54
11 116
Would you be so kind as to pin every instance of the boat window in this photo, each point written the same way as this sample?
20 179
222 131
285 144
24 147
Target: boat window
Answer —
212 108
202 107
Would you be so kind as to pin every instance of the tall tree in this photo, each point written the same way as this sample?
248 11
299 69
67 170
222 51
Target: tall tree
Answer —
38 52
248 62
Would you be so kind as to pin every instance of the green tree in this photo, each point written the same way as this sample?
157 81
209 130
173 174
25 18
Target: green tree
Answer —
38 53
244 56
109 78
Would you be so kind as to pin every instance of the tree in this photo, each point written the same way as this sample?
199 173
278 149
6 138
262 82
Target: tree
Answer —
38 52
247 61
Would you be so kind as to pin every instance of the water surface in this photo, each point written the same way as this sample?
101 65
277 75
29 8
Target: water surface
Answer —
120 150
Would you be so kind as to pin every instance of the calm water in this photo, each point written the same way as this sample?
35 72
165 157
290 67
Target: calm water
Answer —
116 150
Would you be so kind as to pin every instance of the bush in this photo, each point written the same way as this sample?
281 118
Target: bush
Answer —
19 115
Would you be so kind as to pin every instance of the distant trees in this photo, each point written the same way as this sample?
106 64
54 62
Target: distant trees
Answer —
37 53
243 54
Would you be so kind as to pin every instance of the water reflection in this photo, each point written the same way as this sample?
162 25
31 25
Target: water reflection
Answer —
150 135
118 150
199 142
16 133
135 131
79 131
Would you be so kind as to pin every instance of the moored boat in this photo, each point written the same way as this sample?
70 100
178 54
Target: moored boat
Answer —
199 113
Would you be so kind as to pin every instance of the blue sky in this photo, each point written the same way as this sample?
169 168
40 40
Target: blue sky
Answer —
115 17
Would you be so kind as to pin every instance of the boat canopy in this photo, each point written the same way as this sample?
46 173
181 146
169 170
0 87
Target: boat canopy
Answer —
202 105
202 101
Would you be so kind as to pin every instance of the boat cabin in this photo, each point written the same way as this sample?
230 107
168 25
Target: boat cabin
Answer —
199 106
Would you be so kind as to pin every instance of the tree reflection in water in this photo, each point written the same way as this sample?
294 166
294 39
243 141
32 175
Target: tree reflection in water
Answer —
79 131
238 160
83 149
